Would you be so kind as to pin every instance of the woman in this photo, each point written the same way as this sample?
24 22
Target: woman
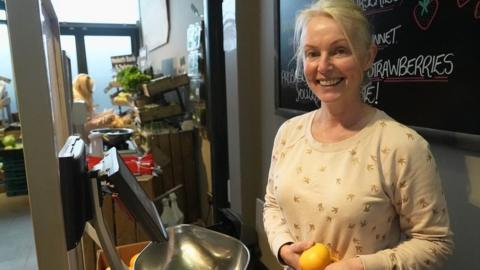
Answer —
347 175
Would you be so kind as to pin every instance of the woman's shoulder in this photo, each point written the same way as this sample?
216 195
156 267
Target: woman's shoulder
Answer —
293 129
397 134
298 121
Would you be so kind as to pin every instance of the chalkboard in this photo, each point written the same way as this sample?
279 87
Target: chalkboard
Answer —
427 69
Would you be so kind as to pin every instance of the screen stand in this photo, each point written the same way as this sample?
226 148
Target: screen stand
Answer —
99 233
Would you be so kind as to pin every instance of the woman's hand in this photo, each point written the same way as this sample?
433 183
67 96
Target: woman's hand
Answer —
290 253
347 264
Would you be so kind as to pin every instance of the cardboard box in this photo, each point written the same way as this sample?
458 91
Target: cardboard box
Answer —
125 252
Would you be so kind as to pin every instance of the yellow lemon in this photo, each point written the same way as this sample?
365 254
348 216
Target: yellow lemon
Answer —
316 257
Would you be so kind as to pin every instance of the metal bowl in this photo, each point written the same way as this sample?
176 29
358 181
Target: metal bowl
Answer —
113 136
193 247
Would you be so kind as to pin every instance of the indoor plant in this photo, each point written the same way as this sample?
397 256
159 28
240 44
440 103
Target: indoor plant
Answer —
131 80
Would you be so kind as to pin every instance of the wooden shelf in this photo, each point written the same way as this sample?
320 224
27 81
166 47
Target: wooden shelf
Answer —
150 113
165 84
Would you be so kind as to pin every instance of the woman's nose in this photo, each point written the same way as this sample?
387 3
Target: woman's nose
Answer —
323 63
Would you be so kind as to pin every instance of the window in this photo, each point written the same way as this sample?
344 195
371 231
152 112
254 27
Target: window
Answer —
94 11
6 66
69 46
92 32
98 50
2 11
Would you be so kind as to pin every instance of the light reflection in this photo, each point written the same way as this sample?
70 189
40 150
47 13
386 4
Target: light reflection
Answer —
473 172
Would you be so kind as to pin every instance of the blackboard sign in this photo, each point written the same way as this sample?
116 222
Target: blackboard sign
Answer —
427 70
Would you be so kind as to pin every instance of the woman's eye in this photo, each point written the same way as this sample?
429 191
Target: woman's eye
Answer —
310 54
341 51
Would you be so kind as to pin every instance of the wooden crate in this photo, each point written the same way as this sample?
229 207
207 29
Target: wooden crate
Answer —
179 148
152 112
162 85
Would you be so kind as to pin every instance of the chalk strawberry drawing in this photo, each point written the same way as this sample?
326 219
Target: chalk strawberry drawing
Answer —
476 14
461 3
424 13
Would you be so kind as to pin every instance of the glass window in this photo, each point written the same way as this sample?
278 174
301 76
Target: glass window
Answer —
3 15
94 11
99 49
68 45
6 66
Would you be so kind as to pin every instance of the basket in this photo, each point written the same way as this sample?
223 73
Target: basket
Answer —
14 172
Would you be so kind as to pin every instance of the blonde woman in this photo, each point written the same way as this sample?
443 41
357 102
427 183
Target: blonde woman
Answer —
348 175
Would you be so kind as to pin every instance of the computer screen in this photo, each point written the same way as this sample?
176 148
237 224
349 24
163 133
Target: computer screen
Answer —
75 189
132 195
76 192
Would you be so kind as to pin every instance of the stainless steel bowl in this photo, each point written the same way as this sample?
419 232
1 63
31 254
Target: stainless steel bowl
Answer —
113 136
193 247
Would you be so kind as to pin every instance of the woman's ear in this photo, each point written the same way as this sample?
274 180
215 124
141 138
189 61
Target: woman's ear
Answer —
370 57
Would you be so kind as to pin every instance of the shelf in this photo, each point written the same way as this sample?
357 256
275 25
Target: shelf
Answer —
157 112
165 84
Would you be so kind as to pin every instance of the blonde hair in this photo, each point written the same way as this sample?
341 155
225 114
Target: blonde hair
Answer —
82 90
351 18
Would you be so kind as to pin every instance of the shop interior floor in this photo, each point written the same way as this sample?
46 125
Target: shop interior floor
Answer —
17 248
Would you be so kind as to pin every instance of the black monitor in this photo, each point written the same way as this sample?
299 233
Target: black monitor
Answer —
132 195
77 197
75 189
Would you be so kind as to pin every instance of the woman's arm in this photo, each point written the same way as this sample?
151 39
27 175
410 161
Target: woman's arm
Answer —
276 228
420 203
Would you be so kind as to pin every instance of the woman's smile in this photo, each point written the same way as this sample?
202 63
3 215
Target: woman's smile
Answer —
329 82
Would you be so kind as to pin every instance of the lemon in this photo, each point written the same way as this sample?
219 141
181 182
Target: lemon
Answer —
316 257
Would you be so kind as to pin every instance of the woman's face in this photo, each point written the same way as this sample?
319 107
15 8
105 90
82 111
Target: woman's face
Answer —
331 70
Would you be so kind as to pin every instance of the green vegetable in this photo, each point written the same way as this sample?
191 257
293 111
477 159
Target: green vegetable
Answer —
130 79
9 140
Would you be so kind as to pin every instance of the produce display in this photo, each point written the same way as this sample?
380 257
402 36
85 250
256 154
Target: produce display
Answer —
122 99
11 142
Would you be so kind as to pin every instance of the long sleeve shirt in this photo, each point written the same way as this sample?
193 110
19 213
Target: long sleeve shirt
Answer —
376 195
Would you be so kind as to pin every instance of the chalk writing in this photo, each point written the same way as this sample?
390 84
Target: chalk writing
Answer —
288 78
462 3
476 13
304 94
369 4
427 66
377 6
476 10
386 38
370 92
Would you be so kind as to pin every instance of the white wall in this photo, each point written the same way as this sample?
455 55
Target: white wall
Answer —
180 17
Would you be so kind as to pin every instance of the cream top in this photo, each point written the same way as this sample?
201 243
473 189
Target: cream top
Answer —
376 195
